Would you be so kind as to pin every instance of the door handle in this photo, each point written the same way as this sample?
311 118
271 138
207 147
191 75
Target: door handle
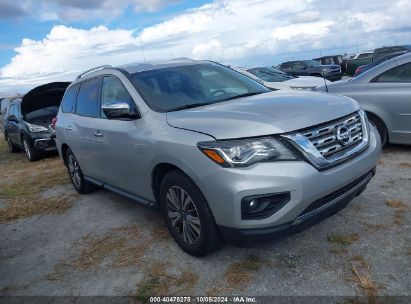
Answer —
98 134
69 128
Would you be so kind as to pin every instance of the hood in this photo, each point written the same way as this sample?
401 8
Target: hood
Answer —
265 114
306 81
46 95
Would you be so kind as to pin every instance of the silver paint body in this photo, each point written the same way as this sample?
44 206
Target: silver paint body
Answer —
391 102
126 153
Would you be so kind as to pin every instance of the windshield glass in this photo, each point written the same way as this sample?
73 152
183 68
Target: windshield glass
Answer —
186 86
270 75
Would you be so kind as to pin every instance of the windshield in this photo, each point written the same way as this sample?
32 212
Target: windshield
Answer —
270 75
188 86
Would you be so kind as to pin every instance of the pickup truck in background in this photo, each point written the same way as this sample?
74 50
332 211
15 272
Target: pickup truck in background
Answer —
360 59
330 72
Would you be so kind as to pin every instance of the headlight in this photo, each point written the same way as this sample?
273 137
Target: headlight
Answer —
242 153
36 128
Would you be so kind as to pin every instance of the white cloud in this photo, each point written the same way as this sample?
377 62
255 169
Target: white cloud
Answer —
235 31
76 10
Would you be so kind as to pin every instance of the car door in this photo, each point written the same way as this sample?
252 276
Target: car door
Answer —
86 142
121 157
11 125
391 92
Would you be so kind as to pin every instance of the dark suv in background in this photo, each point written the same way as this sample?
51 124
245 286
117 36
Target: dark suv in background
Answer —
331 72
28 122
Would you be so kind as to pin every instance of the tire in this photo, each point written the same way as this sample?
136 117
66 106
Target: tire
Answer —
76 175
382 129
31 154
193 226
12 147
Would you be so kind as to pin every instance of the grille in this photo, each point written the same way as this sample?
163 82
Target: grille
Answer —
331 143
325 138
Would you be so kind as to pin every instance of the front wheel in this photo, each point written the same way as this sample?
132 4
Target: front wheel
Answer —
76 175
187 215
31 154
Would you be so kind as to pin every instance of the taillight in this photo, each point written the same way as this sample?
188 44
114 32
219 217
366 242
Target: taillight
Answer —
358 71
53 122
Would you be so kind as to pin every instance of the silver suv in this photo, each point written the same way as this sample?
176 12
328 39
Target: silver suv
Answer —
222 156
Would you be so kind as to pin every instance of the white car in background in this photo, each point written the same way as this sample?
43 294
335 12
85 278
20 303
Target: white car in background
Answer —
279 80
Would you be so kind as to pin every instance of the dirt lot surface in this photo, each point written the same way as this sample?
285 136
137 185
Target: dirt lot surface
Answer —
56 242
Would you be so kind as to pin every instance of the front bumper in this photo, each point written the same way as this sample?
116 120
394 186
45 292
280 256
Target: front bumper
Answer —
316 212
224 189
43 141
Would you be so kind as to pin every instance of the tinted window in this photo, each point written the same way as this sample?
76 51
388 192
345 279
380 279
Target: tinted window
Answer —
401 74
364 55
270 75
285 66
191 85
87 99
67 104
298 65
386 51
113 89
11 110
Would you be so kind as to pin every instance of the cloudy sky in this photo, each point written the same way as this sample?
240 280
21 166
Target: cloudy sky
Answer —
48 40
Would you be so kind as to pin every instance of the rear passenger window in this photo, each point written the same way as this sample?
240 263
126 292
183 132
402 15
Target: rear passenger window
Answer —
399 74
87 99
69 98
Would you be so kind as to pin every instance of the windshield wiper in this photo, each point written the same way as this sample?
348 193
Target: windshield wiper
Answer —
195 105
240 96
189 106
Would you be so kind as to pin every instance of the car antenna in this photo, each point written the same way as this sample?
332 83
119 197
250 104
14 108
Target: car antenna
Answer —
323 75
142 48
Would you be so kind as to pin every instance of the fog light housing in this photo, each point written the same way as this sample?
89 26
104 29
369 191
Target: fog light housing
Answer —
257 207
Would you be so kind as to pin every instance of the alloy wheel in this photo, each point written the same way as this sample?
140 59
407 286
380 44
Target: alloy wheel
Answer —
27 149
74 171
183 215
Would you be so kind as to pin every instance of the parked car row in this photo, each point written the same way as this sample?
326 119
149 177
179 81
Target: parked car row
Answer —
278 80
236 155
385 93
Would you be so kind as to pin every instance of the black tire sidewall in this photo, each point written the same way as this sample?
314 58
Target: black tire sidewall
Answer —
12 149
208 232
81 188
382 130
34 155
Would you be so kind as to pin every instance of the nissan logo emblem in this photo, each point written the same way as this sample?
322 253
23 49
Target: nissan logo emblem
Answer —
343 135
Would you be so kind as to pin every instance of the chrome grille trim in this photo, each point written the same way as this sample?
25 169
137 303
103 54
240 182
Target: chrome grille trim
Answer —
322 147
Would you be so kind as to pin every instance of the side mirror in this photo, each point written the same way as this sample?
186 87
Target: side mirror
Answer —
118 109
12 118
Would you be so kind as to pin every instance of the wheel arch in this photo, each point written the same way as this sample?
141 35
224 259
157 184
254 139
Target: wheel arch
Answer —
157 175
64 148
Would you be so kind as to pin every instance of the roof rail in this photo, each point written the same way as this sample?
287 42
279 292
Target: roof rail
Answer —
101 67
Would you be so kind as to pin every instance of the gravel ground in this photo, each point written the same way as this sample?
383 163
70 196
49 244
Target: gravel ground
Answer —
104 244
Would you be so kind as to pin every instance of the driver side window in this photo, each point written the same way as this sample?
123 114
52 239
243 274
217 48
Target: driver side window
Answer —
113 90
